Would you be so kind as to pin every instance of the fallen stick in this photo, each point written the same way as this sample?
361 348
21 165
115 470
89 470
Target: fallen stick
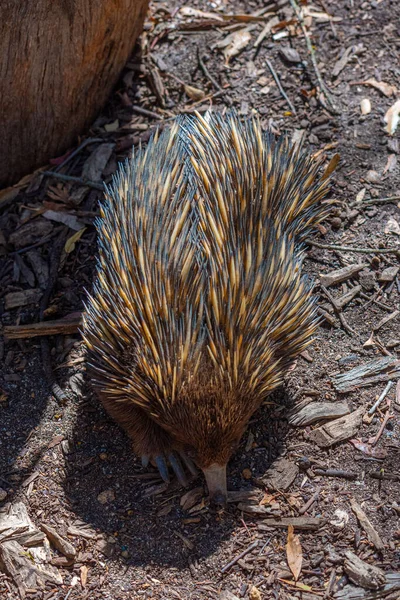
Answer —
323 88
351 249
278 83
239 556
64 326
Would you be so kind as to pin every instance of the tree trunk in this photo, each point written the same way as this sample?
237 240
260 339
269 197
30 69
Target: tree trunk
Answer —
59 60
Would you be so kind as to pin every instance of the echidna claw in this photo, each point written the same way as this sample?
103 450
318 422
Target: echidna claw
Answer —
189 463
162 467
145 461
178 469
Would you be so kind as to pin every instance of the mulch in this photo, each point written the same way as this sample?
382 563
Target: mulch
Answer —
316 481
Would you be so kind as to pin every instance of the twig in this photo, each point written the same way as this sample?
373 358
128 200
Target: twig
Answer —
206 72
382 474
381 397
386 418
331 583
387 200
332 107
375 301
92 184
239 556
339 313
335 473
282 91
350 249
54 259
79 149
212 79
310 502
143 111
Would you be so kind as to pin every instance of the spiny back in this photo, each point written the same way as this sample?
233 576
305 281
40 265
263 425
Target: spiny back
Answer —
199 305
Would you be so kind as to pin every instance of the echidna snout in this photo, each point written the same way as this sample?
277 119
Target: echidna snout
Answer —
216 483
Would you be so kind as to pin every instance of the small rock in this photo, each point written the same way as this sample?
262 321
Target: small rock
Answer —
341 519
365 106
388 274
3 494
367 279
393 145
348 360
373 177
336 223
247 474
226 595
290 54
125 554
106 496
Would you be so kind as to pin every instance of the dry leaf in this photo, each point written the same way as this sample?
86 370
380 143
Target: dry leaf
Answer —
385 88
369 450
194 93
360 195
391 164
365 106
84 574
294 553
70 243
392 118
237 41
70 221
112 126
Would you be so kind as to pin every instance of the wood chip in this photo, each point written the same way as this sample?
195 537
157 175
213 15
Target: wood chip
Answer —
244 496
340 275
351 592
58 542
339 430
251 509
26 574
365 523
381 369
95 164
22 298
363 574
191 498
300 523
318 411
388 274
280 475
346 298
83 531
386 319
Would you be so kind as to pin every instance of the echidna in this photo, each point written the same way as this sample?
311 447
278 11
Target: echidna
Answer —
199 306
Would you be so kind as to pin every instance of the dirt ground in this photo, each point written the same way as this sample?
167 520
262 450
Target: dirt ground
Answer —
64 458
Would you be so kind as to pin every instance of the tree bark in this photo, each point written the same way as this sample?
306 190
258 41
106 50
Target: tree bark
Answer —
59 62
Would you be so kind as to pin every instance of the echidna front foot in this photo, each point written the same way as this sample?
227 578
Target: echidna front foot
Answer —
174 460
